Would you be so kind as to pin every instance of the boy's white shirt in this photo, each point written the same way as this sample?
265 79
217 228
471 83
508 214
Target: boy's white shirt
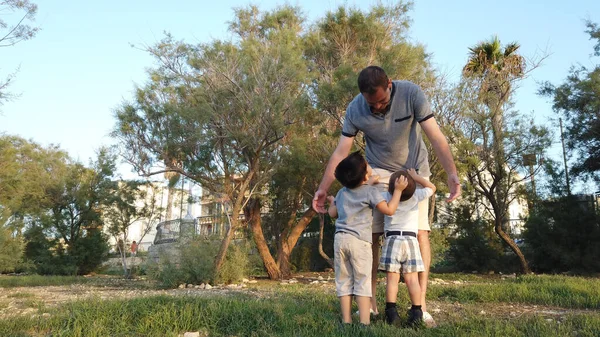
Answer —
406 217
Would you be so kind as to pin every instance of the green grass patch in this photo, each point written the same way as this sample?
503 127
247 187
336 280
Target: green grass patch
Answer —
562 291
39 280
290 313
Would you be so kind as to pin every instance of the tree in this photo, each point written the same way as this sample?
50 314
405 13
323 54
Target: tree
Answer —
500 136
130 202
27 170
217 113
12 33
577 99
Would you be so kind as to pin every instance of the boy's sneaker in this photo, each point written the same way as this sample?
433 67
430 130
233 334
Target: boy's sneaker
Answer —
428 320
415 318
392 317
373 313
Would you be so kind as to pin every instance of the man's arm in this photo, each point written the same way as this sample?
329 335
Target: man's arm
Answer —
442 150
341 152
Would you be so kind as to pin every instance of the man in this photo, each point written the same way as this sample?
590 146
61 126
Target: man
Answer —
391 115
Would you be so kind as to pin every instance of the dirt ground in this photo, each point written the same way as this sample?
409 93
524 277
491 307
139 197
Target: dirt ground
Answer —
36 301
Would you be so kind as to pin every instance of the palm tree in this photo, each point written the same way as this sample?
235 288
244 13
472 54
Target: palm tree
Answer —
494 70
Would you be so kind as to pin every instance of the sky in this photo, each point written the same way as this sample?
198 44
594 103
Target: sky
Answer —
82 66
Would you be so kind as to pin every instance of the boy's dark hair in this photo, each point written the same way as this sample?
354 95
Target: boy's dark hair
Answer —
371 78
408 192
351 171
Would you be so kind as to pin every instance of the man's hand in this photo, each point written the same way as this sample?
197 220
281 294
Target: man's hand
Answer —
318 203
454 187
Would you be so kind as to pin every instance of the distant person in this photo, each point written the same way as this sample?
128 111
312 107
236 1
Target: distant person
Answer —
134 248
353 206
401 253
391 115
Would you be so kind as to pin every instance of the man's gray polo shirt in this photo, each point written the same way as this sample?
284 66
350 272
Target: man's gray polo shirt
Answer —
393 139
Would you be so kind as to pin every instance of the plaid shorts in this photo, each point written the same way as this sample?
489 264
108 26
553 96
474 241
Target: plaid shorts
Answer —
401 253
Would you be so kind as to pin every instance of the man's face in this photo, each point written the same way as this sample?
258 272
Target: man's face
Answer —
379 101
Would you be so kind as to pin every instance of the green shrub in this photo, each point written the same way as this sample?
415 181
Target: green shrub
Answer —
193 262
52 257
563 235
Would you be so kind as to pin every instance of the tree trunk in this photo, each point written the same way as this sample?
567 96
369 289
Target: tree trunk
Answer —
513 246
321 251
288 241
220 258
431 209
252 212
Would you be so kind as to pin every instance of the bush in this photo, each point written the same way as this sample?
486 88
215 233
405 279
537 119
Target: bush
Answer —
11 251
193 262
563 235
51 257
475 246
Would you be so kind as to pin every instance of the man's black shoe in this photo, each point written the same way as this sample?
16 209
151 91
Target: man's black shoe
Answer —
392 317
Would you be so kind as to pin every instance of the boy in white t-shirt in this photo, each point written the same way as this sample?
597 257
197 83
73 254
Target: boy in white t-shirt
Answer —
400 251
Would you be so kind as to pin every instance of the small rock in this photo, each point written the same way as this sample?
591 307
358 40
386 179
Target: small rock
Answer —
208 287
549 320
182 286
45 315
189 285
197 286
491 272
244 285
513 314
232 286
245 280
323 282
284 283
202 286
320 278
292 281
436 310
314 282
252 281
457 282
192 334
482 312
439 280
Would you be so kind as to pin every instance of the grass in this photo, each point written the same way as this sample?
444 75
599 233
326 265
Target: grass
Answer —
562 291
39 281
305 310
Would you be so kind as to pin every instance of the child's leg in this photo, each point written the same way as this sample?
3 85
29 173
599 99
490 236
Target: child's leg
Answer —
346 306
364 306
391 289
414 289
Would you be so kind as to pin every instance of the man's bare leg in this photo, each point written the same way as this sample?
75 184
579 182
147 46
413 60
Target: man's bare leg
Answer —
425 248
376 249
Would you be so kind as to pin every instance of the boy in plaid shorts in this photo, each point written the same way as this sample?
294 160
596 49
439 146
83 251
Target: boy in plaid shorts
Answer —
400 251
353 207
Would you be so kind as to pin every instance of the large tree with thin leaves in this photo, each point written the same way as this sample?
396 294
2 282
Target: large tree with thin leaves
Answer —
577 99
489 80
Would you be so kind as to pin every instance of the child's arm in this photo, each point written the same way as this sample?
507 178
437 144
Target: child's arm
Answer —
420 180
332 208
389 208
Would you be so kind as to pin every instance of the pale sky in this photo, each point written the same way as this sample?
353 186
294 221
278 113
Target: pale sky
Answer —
81 66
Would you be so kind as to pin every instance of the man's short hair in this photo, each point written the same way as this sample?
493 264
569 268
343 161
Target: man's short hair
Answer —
408 192
351 171
371 78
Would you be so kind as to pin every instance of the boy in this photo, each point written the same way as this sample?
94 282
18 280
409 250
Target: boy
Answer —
352 243
401 248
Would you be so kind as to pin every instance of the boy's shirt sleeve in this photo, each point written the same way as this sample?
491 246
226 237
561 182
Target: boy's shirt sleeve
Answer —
375 196
423 193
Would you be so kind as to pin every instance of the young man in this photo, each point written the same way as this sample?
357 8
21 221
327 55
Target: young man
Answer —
401 249
391 115
353 206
